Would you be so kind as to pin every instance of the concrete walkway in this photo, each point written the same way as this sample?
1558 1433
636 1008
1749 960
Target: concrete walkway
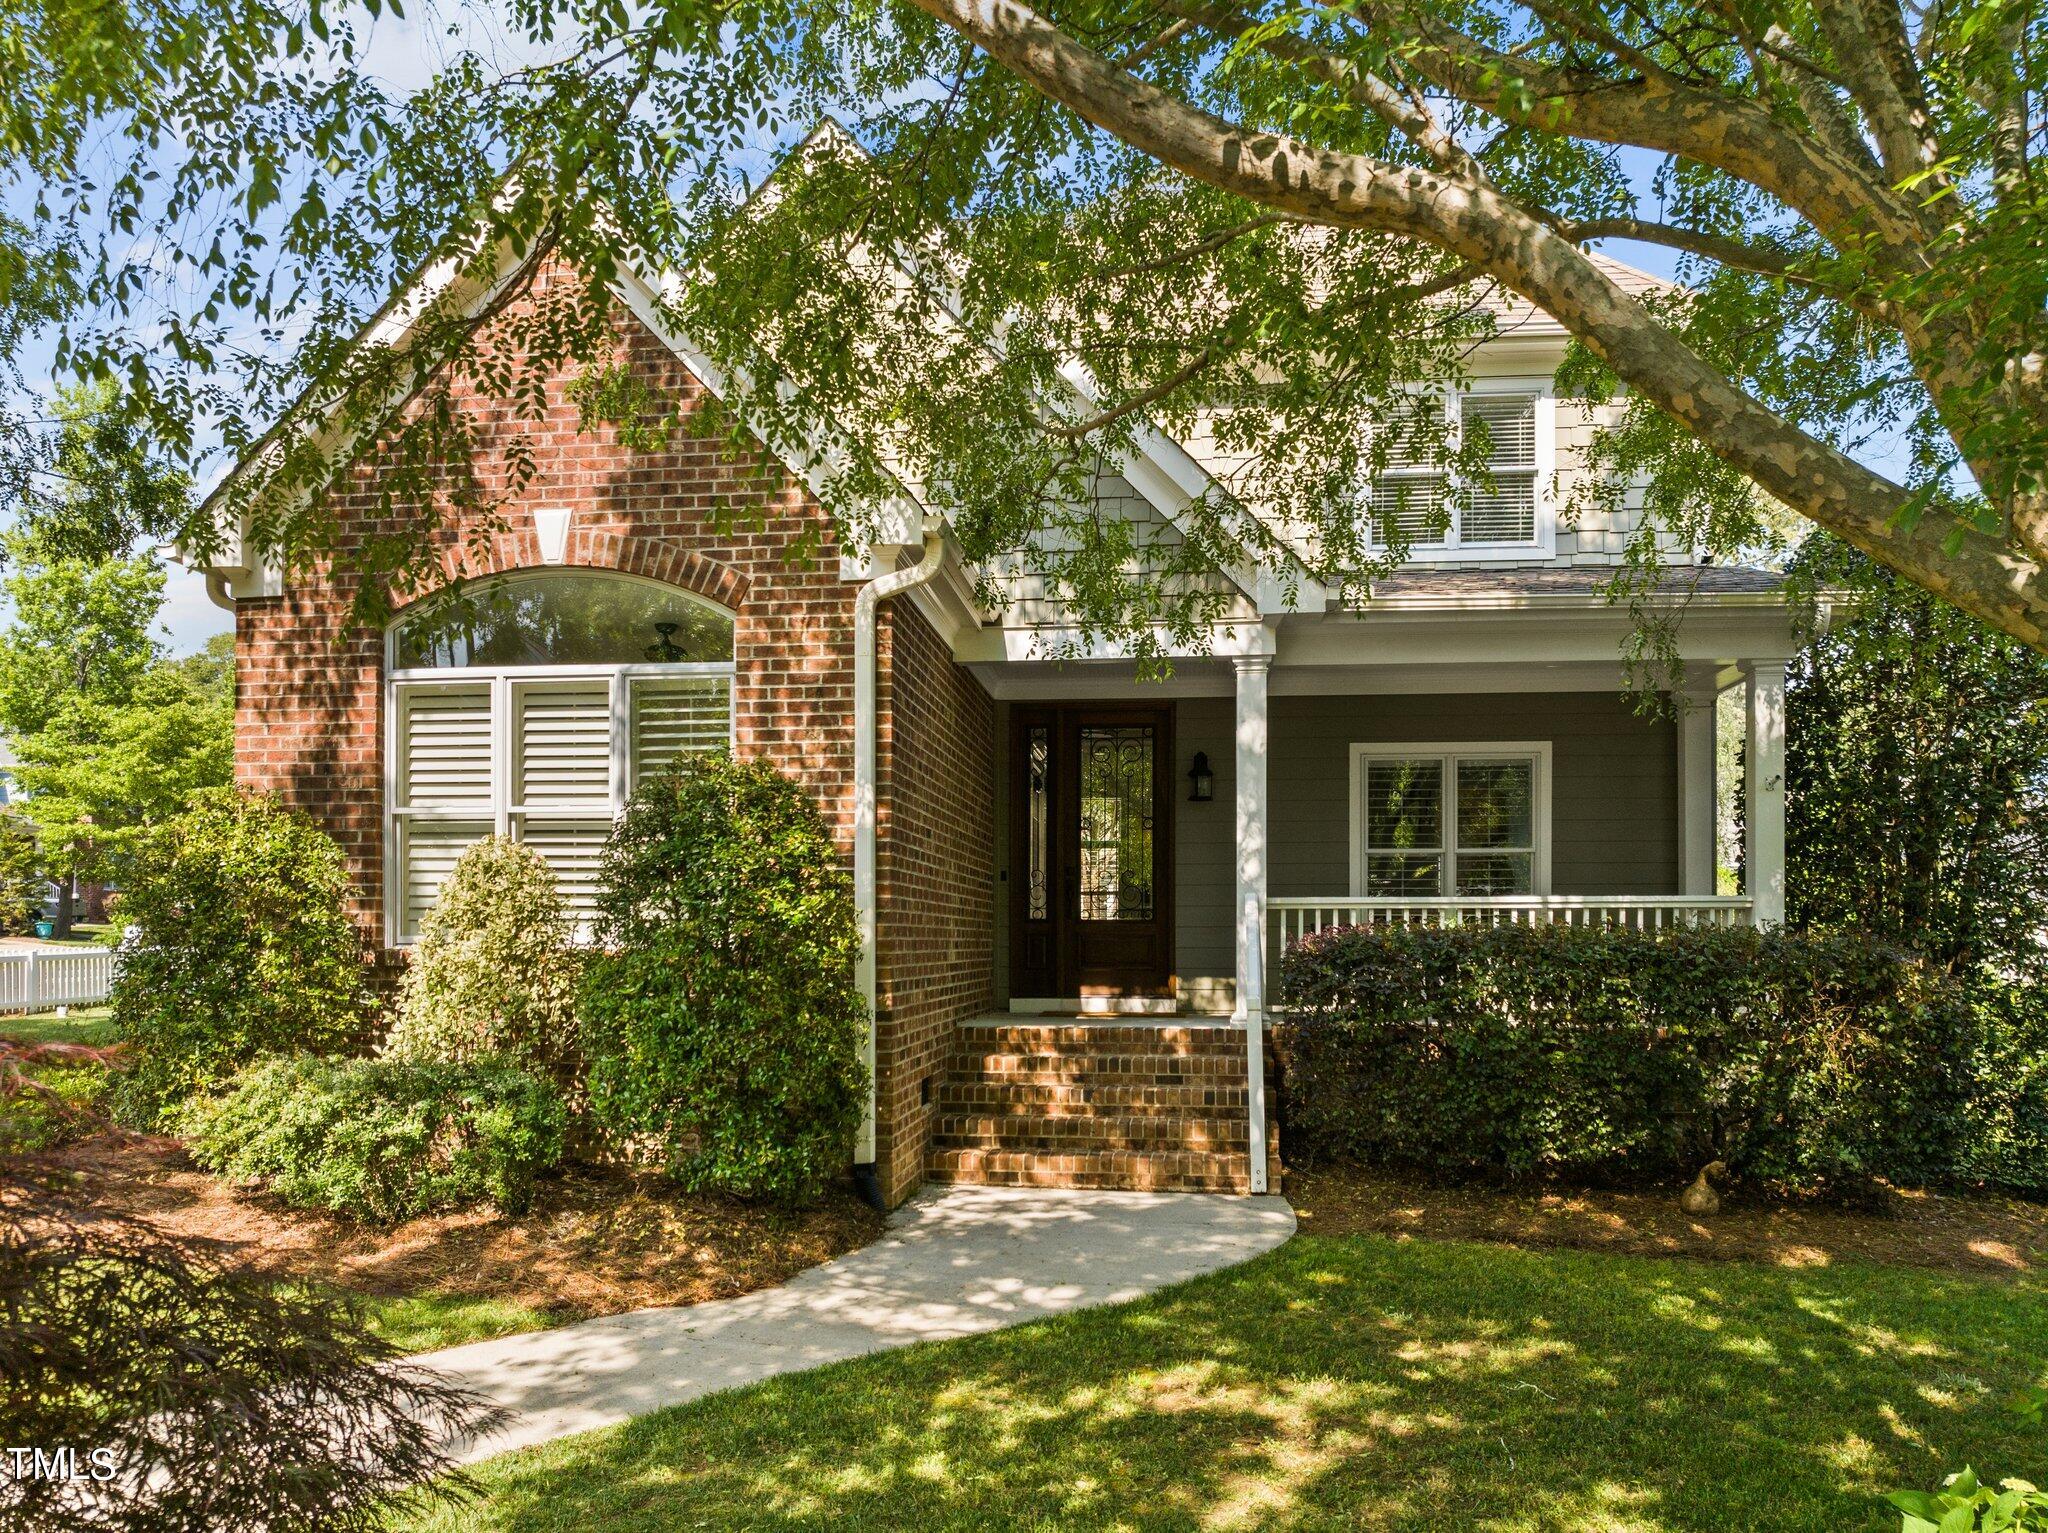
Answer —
956 1261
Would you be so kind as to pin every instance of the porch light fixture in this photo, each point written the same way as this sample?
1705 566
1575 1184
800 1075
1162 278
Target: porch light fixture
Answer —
1201 781
665 649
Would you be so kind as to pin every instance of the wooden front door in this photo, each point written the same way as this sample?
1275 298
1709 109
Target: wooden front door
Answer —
1091 885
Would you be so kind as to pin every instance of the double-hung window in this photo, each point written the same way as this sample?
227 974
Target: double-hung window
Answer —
532 710
1502 510
1450 821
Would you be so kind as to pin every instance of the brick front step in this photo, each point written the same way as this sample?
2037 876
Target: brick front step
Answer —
1011 1131
1067 1099
1050 1070
1112 1105
1110 1170
1120 1037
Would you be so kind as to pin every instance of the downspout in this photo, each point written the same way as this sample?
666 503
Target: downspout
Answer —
866 881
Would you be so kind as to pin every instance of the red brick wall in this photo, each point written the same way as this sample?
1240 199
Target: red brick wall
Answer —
938 879
309 723
310 696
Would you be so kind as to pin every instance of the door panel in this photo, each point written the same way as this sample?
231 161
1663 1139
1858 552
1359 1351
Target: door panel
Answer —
1090 904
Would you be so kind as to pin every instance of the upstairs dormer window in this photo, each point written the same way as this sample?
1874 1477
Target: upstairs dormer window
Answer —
1504 513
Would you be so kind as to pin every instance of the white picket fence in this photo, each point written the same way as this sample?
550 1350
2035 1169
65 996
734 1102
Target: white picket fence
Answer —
38 979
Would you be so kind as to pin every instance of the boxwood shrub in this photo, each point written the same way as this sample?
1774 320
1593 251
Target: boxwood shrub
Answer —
1807 1064
494 970
380 1139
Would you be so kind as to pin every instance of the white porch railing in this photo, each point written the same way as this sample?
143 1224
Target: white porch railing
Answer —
1289 920
35 979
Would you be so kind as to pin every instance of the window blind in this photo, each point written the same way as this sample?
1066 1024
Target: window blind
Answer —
678 718
445 750
563 743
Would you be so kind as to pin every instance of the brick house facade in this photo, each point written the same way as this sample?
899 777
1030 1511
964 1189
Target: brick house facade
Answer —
310 707
1079 878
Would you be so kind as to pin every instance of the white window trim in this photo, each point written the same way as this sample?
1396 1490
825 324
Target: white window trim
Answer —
1544 544
500 813
1450 752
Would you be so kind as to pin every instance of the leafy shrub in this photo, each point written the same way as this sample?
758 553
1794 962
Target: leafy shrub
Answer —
722 1018
2005 1142
378 1139
206 1396
1964 1504
1805 1063
243 948
494 971
49 1094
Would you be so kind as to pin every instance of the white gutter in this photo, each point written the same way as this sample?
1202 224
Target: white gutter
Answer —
866 883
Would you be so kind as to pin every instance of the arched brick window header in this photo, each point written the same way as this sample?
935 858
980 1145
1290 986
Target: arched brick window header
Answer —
624 552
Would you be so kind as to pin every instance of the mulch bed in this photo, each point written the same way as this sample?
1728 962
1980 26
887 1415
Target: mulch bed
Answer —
595 1241
1988 1235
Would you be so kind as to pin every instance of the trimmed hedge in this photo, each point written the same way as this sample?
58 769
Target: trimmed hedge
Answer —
378 1139
1807 1064
494 972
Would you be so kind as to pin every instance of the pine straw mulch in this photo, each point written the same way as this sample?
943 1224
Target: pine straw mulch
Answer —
1980 1234
595 1242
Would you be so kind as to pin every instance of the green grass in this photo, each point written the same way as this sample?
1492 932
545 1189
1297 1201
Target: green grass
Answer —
424 1322
1355 1383
30 1121
89 1025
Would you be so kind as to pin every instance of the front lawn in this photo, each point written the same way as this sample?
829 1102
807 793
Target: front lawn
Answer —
429 1321
93 1026
1357 1382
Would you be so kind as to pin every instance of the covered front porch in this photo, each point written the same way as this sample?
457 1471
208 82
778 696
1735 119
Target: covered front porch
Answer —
1160 842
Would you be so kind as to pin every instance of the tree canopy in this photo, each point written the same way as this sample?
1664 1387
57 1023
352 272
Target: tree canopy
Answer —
1917 776
109 733
1068 219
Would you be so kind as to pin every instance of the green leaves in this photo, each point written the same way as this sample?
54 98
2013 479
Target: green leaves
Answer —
721 1018
1963 1505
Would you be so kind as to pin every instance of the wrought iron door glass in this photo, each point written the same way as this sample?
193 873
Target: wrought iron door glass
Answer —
1116 822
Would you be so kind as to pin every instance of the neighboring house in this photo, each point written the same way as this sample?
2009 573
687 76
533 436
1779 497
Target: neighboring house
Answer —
1076 880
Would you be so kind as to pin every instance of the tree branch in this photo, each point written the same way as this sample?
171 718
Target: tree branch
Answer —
1480 226
1400 112
1200 248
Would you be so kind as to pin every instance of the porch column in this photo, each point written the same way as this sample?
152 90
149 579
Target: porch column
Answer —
1696 798
1763 830
1251 892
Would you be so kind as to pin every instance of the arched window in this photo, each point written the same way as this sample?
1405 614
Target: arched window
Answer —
531 707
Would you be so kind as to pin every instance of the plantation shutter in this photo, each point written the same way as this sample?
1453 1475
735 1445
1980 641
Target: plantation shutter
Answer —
445 759
1506 512
562 743
678 718
428 849
574 849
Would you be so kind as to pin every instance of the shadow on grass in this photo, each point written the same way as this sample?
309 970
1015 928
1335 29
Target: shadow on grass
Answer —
1356 1383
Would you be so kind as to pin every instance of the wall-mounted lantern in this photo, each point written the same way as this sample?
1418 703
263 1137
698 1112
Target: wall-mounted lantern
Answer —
1201 781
